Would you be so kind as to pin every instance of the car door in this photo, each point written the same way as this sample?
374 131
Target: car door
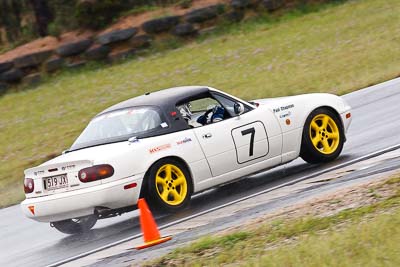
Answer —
236 141
233 143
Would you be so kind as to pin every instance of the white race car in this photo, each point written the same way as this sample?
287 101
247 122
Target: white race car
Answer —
166 146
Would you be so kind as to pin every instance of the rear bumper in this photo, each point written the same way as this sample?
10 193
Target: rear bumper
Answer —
77 203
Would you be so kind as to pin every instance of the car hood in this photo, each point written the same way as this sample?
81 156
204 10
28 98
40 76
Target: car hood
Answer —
304 101
274 101
292 111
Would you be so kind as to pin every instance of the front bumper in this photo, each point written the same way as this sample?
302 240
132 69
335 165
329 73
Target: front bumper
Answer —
78 203
346 120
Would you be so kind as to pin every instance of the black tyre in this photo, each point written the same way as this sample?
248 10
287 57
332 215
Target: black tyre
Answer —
323 136
169 186
75 226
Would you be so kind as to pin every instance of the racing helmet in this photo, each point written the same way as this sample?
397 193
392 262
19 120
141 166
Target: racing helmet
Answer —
185 111
218 114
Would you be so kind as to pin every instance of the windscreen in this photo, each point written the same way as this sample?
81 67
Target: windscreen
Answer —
119 124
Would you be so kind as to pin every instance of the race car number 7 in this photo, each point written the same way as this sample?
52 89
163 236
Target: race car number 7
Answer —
250 141
251 131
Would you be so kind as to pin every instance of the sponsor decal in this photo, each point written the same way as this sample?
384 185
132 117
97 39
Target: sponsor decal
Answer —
184 141
283 108
69 167
287 114
159 148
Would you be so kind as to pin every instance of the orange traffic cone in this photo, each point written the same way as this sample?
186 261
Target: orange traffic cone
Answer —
151 235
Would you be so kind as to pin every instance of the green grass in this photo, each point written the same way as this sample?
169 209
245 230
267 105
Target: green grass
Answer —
365 236
371 243
338 49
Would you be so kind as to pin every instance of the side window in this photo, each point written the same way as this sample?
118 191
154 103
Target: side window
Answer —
203 111
207 110
228 104
203 104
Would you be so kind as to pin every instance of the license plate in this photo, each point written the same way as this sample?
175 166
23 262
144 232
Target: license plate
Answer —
55 182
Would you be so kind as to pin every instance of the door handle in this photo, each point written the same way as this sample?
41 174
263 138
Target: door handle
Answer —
207 135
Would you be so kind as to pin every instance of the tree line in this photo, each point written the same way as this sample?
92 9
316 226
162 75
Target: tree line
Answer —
21 20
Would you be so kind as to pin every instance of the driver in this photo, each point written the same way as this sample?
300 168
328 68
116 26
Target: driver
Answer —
186 113
213 114
217 114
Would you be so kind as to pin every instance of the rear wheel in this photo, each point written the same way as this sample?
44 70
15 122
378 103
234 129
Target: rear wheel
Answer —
169 186
323 136
75 226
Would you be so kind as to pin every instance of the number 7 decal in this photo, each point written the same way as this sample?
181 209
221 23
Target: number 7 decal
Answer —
251 131
254 149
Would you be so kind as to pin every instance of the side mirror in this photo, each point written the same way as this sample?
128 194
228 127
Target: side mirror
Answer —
238 108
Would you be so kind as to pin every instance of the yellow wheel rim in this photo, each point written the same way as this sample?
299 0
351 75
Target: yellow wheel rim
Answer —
171 184
324 134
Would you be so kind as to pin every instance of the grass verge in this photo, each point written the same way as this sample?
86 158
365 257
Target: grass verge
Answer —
338 49
364 236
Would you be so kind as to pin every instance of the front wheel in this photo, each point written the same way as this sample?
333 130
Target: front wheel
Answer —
75 226
169 186
323 137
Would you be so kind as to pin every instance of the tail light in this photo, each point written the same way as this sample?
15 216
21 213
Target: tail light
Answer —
29 186
95 173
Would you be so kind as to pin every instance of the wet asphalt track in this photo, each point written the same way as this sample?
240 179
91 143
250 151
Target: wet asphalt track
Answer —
375 126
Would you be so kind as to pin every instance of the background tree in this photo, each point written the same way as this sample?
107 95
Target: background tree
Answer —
10 18
43 16
25 20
